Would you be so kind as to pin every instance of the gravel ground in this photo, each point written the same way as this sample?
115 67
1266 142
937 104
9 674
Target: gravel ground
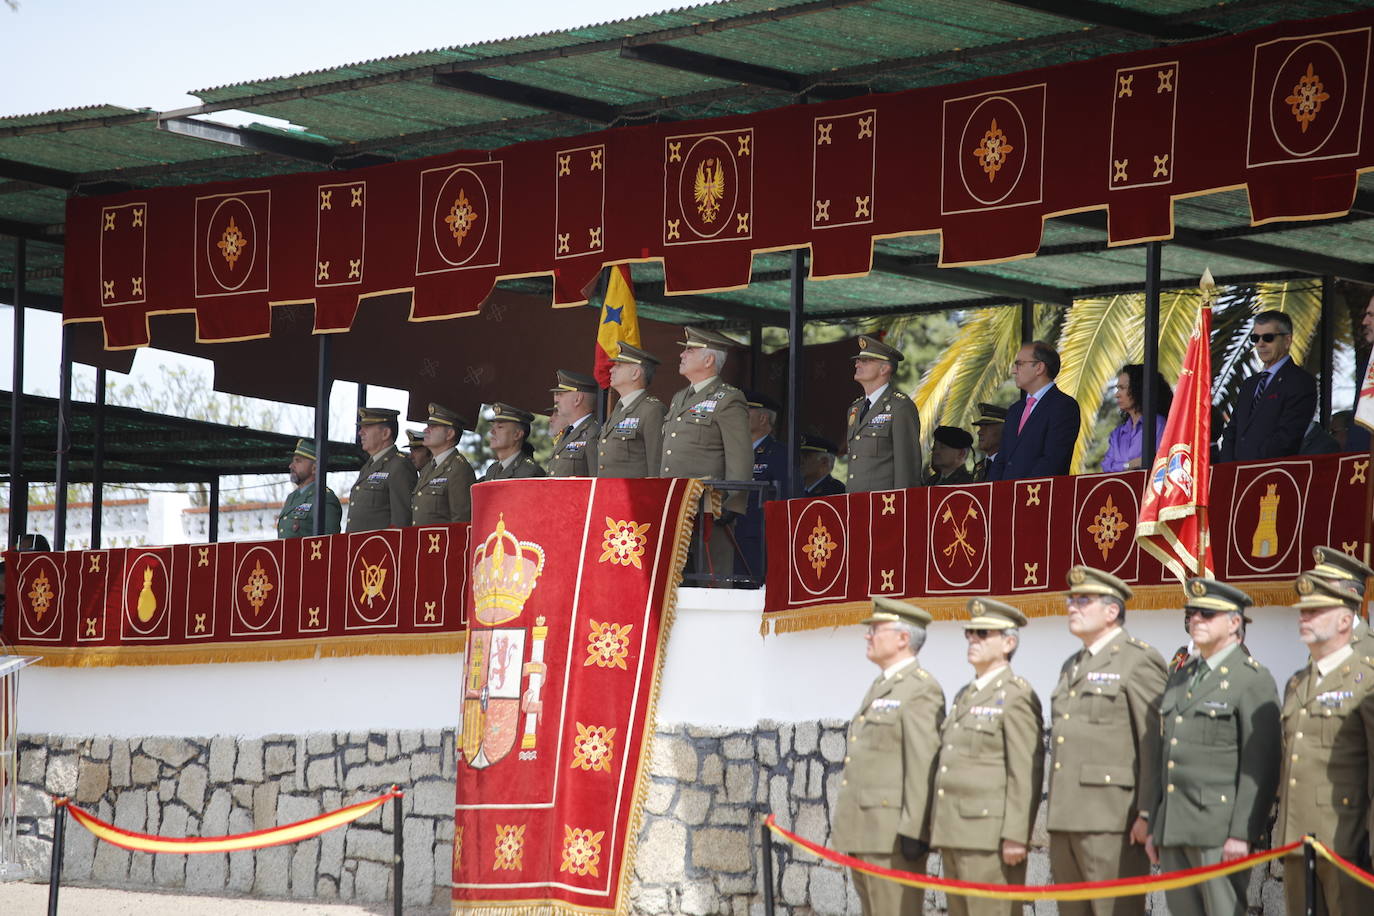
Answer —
22 899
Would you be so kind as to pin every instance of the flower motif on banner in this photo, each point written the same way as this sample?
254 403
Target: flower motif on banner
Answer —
593 748
457 848
709 189
510 847
1307 98
1107 527
608 645
624 542
820 547
461 216
257 587
993 150
581 851
41 595
232 243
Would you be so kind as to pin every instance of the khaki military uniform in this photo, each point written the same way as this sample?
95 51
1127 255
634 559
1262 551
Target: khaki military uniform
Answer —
631 442
885 789
958 475
443 493
987 787
706 434
297 517
885 447
522 466
1104 743
574 454
381 496
1219 768
1325 783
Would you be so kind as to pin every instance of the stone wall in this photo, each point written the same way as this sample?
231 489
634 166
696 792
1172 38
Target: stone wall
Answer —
699 851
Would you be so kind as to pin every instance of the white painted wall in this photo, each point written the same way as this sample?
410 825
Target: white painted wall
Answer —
719 671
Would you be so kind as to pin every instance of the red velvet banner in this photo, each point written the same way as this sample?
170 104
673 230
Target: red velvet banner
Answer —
397 591
573 583
1017 539
1280 111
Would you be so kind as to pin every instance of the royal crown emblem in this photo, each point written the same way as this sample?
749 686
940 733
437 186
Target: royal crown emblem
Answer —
504 572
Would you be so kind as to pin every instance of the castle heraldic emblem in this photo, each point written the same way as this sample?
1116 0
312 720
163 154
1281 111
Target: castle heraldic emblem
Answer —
505 571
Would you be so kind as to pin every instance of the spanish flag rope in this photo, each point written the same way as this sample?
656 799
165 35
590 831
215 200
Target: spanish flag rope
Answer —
257 839
1084 890
1351 869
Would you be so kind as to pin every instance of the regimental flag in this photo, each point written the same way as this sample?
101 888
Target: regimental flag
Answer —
233 241
1173 516
1364 410
619 322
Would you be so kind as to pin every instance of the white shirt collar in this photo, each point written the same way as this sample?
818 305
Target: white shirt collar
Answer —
1334 660
439 458
1104 639
629 399
572 427
507 461
1039 394
384 454
759 439
1273 370
898 667
699 387
873 398
980 682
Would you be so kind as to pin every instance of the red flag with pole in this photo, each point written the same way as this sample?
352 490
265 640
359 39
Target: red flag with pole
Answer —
1173 515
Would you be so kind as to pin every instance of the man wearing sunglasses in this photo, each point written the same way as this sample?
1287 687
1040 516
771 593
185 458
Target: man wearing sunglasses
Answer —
992 765
882 812
1104 740
1275 405
1219 755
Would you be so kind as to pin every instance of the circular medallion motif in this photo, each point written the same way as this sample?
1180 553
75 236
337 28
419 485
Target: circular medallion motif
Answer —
818 547
708 187
462 212
372 579
231 243
1307 97
992 150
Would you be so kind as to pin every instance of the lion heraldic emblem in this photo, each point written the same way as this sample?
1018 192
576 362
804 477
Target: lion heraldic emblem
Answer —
709 189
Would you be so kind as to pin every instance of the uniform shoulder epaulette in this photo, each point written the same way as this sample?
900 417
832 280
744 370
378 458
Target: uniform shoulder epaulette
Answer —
1139 643
1020 681
923 674
1250 660
900 396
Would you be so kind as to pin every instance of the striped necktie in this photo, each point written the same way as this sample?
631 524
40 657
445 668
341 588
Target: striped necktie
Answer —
1259 388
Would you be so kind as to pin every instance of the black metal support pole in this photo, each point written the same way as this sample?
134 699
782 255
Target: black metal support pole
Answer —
768 904
795 346
212 514
1327 349
59 831
755 352
1148 408
98 460
1027 321
362 394
19 489
64 441
1309 877
324 384
398 867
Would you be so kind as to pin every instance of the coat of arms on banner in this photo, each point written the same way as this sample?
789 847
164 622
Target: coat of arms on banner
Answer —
505 571
708 187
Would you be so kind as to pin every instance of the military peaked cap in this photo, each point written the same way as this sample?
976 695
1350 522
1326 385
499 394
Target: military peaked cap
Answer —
575 381
887 610
370 415
872 348
810 443
1211 595
701 337
634 355
986 614
442 416
1084 580
509 414
305 448
1343 569
990 415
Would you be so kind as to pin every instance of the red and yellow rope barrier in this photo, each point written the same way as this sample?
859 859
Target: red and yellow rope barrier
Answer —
257 839
1085 890
1350 868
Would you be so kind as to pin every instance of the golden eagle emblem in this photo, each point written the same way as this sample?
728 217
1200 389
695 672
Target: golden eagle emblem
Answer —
709 188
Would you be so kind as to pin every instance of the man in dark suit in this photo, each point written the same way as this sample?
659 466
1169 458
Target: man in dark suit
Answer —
770 464
1041 429
817 461
1274 405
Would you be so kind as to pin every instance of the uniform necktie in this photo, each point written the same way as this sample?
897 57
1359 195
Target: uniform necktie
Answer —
863 412
1198 675
1025 414
1259 388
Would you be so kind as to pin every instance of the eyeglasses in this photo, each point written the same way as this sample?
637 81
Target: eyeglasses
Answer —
1081 600
1026 362
1268 338
981 633
1207 614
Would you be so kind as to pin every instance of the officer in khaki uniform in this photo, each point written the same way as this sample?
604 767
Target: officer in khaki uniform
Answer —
1328 733
297 516
443 493
1104 743
631 442
381 496
419 455
883 430
992 765
882 812
1219 755
509 440
991 420
574 448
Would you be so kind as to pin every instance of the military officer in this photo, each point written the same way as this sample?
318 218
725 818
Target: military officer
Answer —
706 435
381 496
419 455
817 461
992 765
1219 755
949 457
882 813
884 430
1104 717
991 419
632 440
574 448
443 494
1328 731
297 517
770 464
509 440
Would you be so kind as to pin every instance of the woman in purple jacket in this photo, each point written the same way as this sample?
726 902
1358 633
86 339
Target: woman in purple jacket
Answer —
1123 446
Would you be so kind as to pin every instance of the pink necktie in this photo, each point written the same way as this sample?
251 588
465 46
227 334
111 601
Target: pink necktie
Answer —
1025 415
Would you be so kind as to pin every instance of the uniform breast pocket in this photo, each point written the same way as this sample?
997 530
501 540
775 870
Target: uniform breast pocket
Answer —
882 732
1218 725
987 736
700 430
1105 702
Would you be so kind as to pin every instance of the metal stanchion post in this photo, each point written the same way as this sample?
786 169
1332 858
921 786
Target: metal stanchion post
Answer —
767 871
398 867
1309 875
59 829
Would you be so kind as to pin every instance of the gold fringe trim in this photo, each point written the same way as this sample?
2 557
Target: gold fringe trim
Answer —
268 651
523 908
1276 592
